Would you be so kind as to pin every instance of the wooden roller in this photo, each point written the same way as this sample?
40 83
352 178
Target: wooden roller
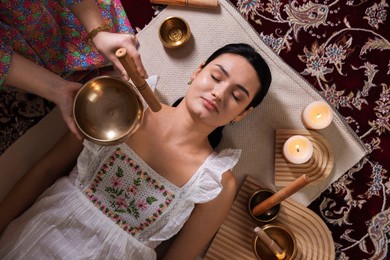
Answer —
281 195
138 81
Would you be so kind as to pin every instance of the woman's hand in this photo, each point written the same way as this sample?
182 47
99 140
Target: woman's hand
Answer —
107 43
89 15
31 77
67 94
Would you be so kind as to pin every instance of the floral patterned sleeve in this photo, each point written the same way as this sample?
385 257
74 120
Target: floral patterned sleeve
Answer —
5 53
72 2
48 34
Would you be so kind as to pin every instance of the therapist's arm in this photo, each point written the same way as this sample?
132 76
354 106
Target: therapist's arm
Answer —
33 78
90 16
88 13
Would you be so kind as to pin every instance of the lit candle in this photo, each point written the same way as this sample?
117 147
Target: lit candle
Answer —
297 149
279 253
317 115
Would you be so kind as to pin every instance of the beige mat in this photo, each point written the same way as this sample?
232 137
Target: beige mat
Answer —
288 95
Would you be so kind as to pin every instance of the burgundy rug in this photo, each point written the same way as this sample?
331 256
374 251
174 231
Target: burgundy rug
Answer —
343 49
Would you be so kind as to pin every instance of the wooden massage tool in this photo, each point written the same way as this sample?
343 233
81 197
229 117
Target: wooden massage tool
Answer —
141 84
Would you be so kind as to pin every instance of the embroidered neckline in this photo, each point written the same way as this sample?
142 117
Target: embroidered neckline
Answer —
150 170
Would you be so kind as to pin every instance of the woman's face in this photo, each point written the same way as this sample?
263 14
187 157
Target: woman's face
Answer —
221 91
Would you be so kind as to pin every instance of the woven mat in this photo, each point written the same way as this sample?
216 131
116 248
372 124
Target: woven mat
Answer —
234 239
255 135
281 109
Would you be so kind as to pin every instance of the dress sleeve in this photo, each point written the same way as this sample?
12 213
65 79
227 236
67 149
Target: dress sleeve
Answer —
89 160
72 2
6 52
206 187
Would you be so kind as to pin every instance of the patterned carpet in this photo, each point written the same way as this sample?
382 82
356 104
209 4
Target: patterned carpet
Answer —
343 49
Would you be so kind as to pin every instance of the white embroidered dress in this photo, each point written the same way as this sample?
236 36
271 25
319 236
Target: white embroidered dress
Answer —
112 206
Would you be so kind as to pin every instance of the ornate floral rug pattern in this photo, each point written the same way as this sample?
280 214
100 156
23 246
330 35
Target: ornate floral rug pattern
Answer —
343 49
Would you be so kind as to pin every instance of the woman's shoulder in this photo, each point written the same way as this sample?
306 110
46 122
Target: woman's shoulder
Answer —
229 182
218 168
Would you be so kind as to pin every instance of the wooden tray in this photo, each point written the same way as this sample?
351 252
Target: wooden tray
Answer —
317 168
234 239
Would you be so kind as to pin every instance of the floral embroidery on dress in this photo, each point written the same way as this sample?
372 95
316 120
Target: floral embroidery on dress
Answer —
127 194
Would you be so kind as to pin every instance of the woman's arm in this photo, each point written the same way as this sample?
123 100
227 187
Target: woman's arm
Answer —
204 222
88 13
56 163
90 16
31 77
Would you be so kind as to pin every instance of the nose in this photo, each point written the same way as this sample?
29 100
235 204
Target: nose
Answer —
218 92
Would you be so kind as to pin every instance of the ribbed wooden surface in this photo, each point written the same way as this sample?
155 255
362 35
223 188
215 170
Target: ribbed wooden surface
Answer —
234 239
317 168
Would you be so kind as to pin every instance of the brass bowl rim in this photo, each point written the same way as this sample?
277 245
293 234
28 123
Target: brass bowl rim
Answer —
249 206
280 226
187 36
124 136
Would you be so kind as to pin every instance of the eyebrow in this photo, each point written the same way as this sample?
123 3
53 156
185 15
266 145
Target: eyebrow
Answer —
242 88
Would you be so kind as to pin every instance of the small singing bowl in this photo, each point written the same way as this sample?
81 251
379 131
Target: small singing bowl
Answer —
282 237
174 32
107 110
259 196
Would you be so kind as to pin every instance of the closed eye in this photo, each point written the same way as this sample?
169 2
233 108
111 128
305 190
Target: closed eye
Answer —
242 88
215 78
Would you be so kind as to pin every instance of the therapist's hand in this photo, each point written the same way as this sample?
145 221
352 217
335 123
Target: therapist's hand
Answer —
107 43
65 103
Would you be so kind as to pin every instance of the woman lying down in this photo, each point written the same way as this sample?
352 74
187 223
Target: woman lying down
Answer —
120 202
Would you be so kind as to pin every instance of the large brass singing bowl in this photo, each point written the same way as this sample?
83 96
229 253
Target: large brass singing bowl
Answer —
107 110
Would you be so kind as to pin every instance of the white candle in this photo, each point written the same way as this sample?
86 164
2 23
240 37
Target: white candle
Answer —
317 115
298 149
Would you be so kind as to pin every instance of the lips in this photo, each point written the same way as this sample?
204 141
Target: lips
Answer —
210 104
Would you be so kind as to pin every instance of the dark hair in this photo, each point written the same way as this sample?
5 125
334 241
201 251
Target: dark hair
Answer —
261 68
254 58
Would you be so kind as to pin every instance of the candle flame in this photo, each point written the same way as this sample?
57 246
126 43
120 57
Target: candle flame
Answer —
318 115
297 148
